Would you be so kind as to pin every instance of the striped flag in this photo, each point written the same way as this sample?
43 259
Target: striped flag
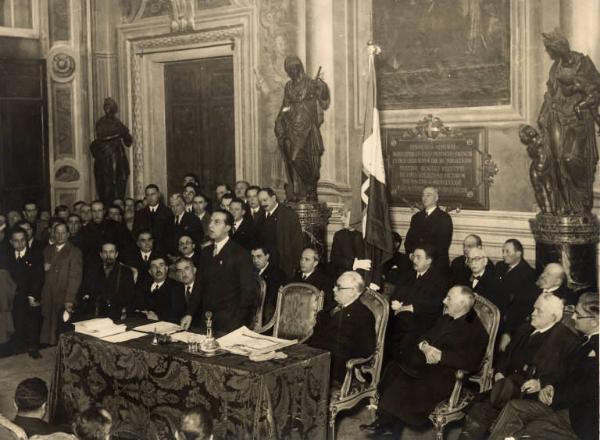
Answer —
377 230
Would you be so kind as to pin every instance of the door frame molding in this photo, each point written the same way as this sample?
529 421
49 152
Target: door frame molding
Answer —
144 49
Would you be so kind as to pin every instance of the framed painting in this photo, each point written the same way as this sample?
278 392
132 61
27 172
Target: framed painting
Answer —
462 60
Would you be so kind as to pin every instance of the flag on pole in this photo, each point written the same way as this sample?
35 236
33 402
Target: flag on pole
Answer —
376 225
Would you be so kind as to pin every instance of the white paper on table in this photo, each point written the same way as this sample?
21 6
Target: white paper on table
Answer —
186 337
122 337
245 342
104 331
159 327
93 324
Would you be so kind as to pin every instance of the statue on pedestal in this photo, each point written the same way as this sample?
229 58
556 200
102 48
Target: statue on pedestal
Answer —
297 128
565 156
111 167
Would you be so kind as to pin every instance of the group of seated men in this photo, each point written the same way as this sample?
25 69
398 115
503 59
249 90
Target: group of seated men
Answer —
175 264
92 423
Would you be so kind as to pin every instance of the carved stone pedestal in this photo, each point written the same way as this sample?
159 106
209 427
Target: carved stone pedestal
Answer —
571 241
313 218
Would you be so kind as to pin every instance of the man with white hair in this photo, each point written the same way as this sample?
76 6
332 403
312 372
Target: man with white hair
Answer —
536 356
347 330
554 280
431 226
483 280
412 386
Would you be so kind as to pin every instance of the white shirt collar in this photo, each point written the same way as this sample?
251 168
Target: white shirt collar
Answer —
201 216
20 254
543 330
306 275
219 245
274 209
255 210
59 247
153 208
191 286
260 272
430 210
551 289
157 285
179 217
145 254
237 224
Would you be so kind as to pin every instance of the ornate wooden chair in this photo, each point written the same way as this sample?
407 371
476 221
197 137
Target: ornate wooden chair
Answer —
453 408
257 322
362 374
296 312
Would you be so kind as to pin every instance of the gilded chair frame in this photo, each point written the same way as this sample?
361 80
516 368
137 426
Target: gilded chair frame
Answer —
454 408
257 322
314 302
356 386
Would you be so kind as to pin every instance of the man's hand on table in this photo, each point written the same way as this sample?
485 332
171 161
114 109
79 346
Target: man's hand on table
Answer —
186 321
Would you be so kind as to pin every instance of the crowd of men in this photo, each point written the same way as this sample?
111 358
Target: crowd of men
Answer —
203 254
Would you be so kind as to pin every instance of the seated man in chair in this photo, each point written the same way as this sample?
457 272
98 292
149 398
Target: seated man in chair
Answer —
347 330
411 387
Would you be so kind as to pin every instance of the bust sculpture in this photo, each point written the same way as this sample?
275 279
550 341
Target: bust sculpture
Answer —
297 129
111 167
564 151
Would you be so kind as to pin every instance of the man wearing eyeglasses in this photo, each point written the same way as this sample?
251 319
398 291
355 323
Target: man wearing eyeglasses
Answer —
483 281
569 408
536 357
347 330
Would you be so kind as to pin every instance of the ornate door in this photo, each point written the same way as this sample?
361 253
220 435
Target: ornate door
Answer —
200 122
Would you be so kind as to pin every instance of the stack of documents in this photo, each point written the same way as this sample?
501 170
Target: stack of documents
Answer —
159 327
245 342
99 327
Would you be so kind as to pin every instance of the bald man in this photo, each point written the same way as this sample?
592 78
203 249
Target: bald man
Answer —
536 356
431 226
483 280
554 280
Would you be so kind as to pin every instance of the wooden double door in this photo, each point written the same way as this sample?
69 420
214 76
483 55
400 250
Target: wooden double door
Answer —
23 134
200 124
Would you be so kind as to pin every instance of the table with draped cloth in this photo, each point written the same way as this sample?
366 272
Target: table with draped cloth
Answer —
146 389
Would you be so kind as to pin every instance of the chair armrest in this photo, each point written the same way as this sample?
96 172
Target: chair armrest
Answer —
455 396
351 364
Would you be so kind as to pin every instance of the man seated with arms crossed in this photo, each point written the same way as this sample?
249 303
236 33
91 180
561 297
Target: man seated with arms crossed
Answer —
569 408
412 387
535 357
347 330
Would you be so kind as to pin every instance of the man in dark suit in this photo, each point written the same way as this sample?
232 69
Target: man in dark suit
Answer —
554 280
35 246
460 271
417 305
187 289
273 276
412 387
433 227
575 391
155 217
74 226
311 273
160 297
243 228
187 249
108 288
398 269
140 257
188 193
347 330
27 271
278 227
517 283
31 400
200 207
227 286
99 231
183 223
347 249
535 357
253 202
483 281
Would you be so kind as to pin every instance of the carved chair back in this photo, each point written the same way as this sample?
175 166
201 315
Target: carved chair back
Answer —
489 316
257 322
296 312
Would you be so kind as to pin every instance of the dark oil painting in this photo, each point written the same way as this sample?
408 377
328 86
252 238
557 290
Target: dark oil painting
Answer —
442 53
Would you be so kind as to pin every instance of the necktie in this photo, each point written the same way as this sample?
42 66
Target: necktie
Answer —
19 256
233 229
267 215
154 287
188 292
146 257
419 275
215 251
304 276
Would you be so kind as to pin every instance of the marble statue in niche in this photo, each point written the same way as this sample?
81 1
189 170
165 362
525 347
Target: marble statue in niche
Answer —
111 166
297 129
